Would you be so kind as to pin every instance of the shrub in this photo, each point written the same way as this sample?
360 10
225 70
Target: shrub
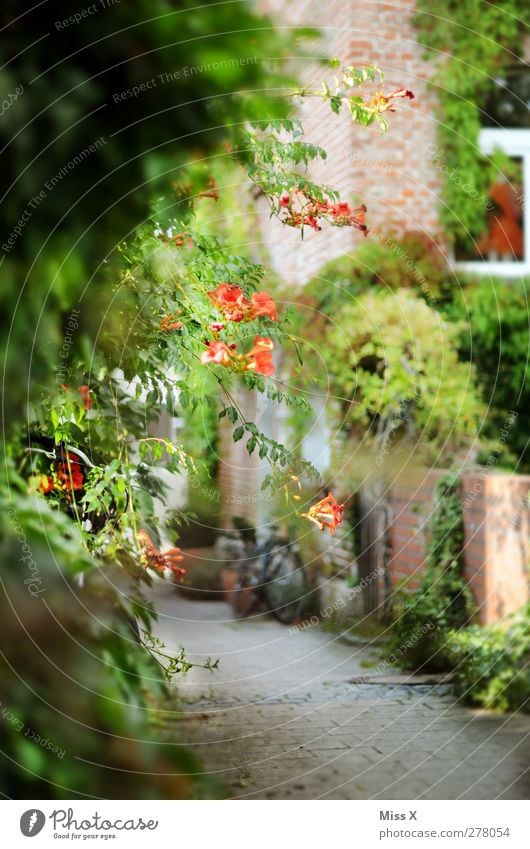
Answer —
393 362
414 261
492 665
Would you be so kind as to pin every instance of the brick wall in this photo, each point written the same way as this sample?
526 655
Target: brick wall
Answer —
496 537
391 173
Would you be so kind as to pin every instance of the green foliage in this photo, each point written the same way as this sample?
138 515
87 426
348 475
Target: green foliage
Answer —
147 86
197 524
93 141
431 630
492 665
345 92
493 315
413 261
442 601
139 368
199 435
393 366
468 60
78 689
273 164
234 216
200 60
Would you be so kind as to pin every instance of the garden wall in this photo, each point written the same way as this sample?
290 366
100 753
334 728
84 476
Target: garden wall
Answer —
496 537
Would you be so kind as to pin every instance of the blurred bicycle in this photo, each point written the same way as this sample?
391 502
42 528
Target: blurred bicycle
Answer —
271 575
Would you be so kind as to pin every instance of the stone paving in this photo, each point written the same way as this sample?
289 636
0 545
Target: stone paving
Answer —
279 718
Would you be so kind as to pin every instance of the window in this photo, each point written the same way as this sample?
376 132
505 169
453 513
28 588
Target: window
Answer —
504 248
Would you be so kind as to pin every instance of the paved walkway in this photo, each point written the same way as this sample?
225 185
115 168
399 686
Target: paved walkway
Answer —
280 720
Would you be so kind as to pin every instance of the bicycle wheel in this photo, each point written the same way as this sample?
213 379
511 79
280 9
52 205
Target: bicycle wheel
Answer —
285 585
242 597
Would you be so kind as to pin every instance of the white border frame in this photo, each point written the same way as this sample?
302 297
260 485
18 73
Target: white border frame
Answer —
513 143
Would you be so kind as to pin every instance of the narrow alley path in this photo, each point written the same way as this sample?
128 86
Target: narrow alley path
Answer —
280 718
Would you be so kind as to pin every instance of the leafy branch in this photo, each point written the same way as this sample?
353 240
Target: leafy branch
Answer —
176 664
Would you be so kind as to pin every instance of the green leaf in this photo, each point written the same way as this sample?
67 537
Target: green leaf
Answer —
238 434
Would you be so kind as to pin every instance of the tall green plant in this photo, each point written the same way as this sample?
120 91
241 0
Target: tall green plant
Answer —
442 601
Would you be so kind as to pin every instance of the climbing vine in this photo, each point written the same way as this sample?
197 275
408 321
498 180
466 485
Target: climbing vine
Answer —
442 601
468 59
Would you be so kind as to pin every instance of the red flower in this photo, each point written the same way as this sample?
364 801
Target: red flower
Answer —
46 484
158 560
285 199
235 306
218 352
216 326
263 305
212 191
342 213
84 391
169 323
402 92
383 102
178 239
309 211
85 396
69 474
340 208
231 300
326 513
259 358
73 482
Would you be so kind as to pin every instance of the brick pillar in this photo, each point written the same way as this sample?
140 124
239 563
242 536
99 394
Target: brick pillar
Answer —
496 533
507 555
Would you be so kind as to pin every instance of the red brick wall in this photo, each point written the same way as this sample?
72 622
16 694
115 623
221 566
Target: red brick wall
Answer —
507 531
496 537
392 173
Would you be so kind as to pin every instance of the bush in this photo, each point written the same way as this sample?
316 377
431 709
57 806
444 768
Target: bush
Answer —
492 665
394 363
79 692
414 261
